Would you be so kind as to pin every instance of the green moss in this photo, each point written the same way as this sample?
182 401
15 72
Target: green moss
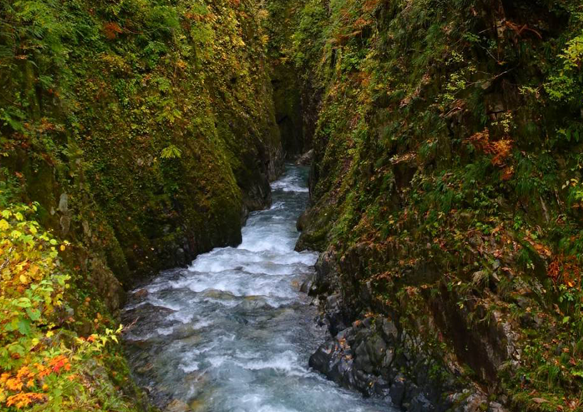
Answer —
95 94
440 171
114 98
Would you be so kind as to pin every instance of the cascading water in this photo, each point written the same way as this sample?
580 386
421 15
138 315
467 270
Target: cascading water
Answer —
232 332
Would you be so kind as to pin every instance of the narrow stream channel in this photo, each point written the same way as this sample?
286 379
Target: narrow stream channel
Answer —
232 332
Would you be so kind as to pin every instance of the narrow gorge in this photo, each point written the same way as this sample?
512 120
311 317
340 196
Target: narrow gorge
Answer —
291 205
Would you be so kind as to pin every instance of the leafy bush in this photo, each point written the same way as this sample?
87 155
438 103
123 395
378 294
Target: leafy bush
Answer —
43 365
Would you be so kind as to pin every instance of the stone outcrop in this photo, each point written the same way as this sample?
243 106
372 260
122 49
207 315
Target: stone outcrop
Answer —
374 355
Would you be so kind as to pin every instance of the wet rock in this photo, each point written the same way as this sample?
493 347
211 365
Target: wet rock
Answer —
420 404
381 388
306 286
184 332
496 407
474 403
146 368
306 158
140 294
219 294
238 318
376 348
322 358
374 357
109 288
389 331
197 405
302 221
252 303
397 391
326 273
334 314
65 223
180 256
64 203
196 378
177 406
362 381
86 228
362 360
340 370
387 362
146 311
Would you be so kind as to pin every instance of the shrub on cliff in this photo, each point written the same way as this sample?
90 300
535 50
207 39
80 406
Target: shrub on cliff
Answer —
44 364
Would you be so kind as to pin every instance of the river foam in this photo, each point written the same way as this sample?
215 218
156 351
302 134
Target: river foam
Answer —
232 333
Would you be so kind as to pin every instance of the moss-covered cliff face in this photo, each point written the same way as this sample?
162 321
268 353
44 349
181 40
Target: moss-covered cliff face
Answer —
446 194
295 96
146 132
143 128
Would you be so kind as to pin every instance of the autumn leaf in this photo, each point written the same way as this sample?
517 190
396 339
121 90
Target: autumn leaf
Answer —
4 225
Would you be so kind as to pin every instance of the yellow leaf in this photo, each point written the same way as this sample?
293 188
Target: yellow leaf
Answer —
50 334
62 248
23 279
4 225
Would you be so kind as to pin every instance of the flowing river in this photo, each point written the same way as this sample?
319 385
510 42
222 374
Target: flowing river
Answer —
233 333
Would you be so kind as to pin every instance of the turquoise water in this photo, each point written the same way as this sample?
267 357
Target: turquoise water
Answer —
232 333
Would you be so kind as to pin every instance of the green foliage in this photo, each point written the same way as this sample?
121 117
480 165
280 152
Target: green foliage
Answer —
171 152
307 40
105 93
567 83
43 364
98 101
442 149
